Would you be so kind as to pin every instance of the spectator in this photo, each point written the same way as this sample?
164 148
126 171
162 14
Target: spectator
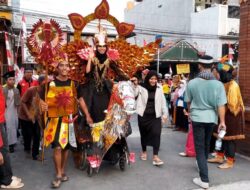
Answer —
31 118
173 97
12 98
207 99
151 106
7 180
181 122
27 81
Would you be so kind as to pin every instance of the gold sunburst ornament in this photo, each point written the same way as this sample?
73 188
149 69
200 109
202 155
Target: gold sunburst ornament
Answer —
131 57
45 41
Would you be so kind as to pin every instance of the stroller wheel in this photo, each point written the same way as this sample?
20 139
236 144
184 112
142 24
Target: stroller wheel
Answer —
89 170
122 162
97 170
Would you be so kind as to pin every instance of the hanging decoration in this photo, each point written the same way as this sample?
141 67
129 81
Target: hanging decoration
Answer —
45 42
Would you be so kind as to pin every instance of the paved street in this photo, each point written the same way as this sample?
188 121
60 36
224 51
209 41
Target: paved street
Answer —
176 174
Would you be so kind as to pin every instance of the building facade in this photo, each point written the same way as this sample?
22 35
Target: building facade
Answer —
207 24
244 70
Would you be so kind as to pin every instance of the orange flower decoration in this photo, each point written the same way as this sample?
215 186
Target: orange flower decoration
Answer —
63 99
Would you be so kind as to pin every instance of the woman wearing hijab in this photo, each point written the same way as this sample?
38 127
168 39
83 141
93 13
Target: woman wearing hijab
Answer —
151 106
97 91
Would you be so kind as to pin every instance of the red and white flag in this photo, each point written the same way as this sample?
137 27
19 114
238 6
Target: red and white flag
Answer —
24 28
8 52
18 73
25 53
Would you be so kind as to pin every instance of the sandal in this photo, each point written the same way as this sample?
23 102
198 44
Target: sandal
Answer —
57 182
157 162
143 156
64 178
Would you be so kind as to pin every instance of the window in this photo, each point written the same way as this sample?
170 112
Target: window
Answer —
233 12
235 47
207 6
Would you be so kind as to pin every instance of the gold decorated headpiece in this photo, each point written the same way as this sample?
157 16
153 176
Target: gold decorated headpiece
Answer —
100 38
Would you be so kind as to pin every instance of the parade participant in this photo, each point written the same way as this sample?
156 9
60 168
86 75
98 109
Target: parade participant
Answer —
61 107
12 98
97 91
233 118
27 81
151 106
207 99
7 180
30 117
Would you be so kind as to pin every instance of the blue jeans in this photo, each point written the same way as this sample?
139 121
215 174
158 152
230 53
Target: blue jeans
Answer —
202 136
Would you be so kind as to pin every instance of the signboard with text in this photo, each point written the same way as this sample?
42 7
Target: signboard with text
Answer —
183 68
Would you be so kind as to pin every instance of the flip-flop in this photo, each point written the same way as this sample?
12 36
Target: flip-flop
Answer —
143 157
64 178
56 183
157 162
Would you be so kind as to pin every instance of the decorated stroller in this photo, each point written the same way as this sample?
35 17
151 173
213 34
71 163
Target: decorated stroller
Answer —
109 136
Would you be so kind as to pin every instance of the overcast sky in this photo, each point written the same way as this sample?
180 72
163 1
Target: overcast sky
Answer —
83 7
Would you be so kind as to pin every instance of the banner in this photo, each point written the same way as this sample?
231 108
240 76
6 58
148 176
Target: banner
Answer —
9 51
183 68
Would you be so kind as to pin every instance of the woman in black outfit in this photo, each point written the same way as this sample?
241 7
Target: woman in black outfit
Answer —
151 106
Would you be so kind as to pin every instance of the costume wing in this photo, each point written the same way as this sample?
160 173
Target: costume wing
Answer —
77 65
132 57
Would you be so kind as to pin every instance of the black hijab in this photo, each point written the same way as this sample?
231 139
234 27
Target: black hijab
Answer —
101 57
225 76
146 83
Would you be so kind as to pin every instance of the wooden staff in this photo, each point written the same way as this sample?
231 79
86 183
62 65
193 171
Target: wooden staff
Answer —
46 113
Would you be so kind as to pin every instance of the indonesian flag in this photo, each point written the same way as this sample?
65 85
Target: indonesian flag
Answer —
24 28
8 52
230 54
